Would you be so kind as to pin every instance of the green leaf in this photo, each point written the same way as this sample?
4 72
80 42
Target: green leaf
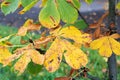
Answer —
7 30
80 24
15 40
89 1
67 12
34 68
9 6
26 2
49 15
118 6
76 3
28 7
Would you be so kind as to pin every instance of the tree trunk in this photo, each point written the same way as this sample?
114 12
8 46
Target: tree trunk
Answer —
112 65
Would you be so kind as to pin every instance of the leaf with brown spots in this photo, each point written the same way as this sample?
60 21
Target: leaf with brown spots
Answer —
73 55
17 53
53 56
24 56
49 16
27 56
22 63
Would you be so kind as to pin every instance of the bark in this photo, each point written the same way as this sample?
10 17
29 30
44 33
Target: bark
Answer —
112 65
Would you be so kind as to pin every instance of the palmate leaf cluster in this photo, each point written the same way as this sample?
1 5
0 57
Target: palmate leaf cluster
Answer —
65 40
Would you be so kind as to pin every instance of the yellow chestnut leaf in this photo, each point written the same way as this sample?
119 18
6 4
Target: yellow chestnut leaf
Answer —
106 45
53 56
17 53
76 35
97 43
105 49
28 55
74 56
36 57
24 56
22 63
115 46
4 53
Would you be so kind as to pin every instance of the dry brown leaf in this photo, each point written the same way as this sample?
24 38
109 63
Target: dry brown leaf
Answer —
115 36
28 26
96 34
17 53
93 25
42 41
63 78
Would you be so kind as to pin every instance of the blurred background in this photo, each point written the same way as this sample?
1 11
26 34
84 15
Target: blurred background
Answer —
90 12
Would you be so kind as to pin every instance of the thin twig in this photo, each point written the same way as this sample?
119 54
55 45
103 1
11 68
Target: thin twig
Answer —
77 74
82 18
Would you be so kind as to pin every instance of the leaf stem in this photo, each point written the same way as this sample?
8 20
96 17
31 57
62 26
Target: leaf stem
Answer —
17 46
77 74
